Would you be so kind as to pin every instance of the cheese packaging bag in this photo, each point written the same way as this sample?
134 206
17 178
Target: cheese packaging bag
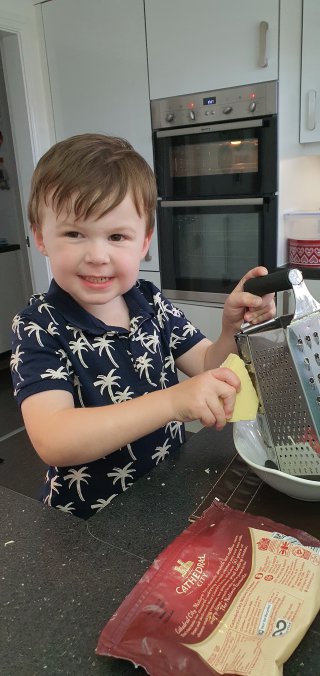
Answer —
247 401
232 594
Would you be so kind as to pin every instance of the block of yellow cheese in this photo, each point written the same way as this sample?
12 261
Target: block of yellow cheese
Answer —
247 401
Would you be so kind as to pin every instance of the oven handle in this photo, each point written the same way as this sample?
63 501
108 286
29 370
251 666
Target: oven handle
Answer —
248 124
211 203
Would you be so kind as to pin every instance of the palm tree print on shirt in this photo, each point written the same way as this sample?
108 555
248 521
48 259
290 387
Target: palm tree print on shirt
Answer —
175 428
125 395
54 485
66 508
161 451
142 365
150 342
107 381
52 330
16 360
121 474
104 344
32 327
16 325
77 476
47 307
55 374
78 386
77 347
101 503
78 333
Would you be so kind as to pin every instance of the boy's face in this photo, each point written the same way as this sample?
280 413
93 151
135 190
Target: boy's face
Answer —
95 261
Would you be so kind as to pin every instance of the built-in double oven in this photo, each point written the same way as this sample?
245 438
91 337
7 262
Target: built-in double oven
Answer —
215 159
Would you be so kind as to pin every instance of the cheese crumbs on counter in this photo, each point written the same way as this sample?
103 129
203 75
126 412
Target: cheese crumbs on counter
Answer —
247 401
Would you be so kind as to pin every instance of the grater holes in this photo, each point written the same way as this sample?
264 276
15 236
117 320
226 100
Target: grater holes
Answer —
282 402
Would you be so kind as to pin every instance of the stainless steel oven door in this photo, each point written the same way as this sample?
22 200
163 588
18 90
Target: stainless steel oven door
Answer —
224 159
207 245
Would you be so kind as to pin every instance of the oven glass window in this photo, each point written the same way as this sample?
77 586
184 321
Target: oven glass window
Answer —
230 162
238 156
207 249
210 247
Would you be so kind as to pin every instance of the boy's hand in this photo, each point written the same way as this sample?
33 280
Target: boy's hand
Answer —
243 306
208 397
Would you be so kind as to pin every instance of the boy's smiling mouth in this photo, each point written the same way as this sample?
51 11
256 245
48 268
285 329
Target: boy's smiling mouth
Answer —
93 280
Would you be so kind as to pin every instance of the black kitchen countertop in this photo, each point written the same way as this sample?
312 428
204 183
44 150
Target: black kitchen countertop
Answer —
62 578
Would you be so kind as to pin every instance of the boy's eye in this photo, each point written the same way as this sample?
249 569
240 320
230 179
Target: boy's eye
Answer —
117 237
73 234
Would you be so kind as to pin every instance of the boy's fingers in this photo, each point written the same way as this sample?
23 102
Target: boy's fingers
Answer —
259 271
223 406
225 375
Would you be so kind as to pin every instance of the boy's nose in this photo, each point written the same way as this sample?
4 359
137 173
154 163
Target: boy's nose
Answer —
97 253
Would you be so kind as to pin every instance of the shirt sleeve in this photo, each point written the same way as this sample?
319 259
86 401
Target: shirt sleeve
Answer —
38 363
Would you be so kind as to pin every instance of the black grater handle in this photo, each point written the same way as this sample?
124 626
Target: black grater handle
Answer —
275 281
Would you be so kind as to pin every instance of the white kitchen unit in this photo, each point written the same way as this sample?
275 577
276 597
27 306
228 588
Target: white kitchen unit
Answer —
97 64
153 277
204 317
209 44
310 78
13 298
209 320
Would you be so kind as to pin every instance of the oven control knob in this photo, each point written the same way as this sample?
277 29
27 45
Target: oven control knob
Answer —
192 115
227 110
169 117
252 106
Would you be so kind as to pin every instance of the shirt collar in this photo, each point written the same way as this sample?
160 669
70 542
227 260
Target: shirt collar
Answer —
74 314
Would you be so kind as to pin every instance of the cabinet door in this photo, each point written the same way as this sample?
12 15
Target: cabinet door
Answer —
97 62
310 78
204 317
209 44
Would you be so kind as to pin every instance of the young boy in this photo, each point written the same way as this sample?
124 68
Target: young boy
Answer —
94 359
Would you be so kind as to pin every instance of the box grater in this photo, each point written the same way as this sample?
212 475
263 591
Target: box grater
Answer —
282 358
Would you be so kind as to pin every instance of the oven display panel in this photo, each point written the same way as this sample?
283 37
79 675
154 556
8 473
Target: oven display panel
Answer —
209 101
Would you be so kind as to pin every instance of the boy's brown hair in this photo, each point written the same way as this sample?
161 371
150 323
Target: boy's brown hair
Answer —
89 175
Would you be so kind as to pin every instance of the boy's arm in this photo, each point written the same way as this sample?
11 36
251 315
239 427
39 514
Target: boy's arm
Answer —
206 355
63 435
240 306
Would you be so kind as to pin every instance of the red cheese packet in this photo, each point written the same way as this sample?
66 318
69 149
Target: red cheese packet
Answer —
233 594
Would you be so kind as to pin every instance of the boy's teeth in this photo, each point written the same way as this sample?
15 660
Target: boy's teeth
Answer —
97 279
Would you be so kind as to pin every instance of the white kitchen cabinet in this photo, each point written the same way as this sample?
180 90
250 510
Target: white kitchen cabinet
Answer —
209 44
310 73
97 66
208 319
153 277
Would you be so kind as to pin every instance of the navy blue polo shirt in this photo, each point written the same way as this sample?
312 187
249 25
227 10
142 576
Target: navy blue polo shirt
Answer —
59 345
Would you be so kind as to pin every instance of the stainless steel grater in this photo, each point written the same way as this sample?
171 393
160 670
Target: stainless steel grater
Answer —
282 358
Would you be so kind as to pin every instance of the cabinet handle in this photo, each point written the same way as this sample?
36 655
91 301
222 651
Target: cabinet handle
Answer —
148 257
263 29
311 109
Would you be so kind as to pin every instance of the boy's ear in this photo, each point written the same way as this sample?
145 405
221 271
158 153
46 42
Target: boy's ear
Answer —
146 245
38 238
